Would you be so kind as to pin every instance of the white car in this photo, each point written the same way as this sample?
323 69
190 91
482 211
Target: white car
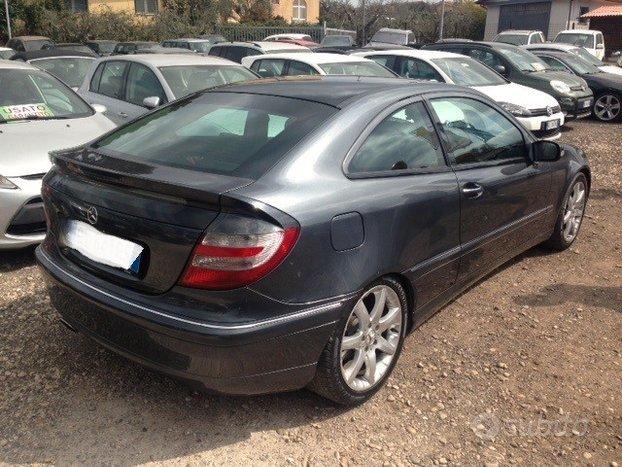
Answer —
535 110
519 37
573 49
290 37
130 85
311 63
6 53
593 41
38 114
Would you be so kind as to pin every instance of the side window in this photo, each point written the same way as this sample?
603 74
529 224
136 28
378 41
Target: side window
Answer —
485 57
142 83
418 69
405 140
94 85
111 82
267 68
536 38
298 68
384 60
476 133
554 63
589 42
217 51
237 53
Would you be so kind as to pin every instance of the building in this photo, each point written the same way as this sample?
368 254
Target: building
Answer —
291 10
548 16
608 19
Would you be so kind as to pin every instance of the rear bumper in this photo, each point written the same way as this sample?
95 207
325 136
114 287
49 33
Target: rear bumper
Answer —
22 221
270 355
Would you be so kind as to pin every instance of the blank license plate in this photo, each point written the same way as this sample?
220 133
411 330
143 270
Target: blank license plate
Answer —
586 104
551 125
102 248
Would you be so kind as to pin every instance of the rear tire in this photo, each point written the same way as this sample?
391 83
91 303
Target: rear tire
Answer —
570 215
365 346
608 107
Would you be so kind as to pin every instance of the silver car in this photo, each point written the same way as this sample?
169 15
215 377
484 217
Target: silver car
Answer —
130 85
38 114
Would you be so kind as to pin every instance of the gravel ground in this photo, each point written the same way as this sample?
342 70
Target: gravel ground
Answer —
525 367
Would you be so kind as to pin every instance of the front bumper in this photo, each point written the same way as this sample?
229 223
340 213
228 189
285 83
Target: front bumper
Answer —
22 219
577 107
538 125
254 357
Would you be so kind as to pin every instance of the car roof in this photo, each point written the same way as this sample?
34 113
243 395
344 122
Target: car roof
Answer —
186 39
579 31
101 41
6 48
416 53
32 38
314 58
158 60
551 45
16 65
489 44
518 31
554 53
265 45
336 91
51 53
293 35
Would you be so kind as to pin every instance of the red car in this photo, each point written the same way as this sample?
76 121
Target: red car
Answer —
298 39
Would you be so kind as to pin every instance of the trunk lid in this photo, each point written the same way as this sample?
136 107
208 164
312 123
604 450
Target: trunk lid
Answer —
164 210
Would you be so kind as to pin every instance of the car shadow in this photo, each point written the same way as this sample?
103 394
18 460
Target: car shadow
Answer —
92 406
12 260
609 297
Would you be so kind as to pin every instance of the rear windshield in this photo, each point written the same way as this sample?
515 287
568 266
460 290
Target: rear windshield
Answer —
585 55
576 38
368 68
241 135
186 79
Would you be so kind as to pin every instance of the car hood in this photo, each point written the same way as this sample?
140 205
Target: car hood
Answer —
606 79
614 70
519 95
27 143
570 80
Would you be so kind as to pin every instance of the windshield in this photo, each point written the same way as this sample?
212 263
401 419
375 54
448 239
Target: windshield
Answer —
585 55
356 69
186 79
236 134
516 39
33 94
576 38
468 72
336 41
200 47
523 60
580 66
70 71
38 44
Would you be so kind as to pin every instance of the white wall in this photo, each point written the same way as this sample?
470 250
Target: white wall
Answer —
559 14
492 22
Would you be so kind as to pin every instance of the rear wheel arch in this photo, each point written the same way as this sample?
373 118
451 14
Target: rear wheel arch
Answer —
410 296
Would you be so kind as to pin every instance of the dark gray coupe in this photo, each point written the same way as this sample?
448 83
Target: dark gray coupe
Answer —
280 234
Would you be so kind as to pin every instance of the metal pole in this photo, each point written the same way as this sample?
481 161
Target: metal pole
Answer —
364 25
442 20
8 18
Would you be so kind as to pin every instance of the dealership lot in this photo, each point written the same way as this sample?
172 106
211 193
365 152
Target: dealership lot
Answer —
525 366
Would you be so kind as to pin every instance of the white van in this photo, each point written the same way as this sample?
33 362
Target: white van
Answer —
589 39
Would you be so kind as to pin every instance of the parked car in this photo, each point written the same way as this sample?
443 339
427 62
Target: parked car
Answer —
311 63
572 49
38 114
6 53
158 49
290 233
128 48
522 67
68 66
607 88
535 110
103 48
236 51
213 38
194 45
592 41
131 85
520 37
71 47
28 43
298 39
387 37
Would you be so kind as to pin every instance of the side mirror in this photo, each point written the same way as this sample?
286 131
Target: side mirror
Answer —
500 69
100 109
546 151
151 102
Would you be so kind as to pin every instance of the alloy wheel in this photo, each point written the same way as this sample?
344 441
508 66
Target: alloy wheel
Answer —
607 107
371 338
573 214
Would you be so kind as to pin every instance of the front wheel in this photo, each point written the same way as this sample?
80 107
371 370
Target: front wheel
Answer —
608 107
365 345
570 216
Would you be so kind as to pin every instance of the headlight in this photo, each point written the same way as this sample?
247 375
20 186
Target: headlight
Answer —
6 184
516 110
560 86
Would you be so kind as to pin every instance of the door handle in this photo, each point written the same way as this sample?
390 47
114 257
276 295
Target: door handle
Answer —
472 190
122 114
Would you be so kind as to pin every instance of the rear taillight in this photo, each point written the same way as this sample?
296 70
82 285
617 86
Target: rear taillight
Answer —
236 251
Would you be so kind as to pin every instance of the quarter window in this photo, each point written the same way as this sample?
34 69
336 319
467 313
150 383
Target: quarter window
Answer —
477 133
405 140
